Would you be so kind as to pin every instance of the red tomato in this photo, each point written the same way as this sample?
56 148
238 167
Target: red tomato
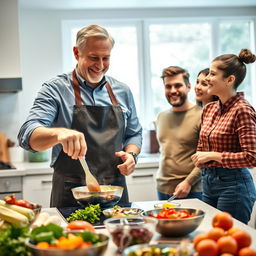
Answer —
80 224
10 199
24 203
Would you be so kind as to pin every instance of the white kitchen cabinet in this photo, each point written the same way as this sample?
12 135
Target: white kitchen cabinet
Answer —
142 185
37 189
11 185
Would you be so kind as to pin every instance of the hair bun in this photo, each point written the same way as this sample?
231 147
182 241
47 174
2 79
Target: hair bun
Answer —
246 56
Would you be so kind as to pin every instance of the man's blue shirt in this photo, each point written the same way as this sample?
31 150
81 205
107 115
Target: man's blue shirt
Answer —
53 107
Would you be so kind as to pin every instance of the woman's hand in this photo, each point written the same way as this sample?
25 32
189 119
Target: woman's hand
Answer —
200 158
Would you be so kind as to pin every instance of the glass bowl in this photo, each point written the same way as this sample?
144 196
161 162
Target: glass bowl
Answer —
128 231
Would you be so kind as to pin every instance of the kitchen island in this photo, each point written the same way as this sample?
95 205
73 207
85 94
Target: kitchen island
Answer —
189 203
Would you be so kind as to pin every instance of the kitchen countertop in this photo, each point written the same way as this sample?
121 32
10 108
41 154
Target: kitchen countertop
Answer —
189 203
145 160
204 226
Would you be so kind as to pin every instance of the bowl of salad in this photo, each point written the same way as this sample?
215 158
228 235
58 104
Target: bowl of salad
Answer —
176 222
184 248
118 211
53 240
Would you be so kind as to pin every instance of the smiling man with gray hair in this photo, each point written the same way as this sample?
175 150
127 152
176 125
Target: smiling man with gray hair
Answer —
85 113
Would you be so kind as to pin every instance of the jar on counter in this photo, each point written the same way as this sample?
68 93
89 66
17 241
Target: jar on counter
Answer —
40 156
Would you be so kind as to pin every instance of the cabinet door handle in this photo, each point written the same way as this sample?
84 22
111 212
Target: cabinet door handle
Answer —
46 182
143 176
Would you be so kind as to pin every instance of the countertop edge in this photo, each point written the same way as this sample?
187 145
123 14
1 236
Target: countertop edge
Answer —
41 168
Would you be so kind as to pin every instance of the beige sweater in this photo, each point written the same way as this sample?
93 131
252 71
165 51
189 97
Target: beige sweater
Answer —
177 134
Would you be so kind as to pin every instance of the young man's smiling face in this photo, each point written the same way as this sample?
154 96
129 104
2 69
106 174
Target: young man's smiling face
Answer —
176 90
93 59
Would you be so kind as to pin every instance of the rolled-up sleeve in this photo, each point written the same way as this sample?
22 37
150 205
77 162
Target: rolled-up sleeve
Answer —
42 113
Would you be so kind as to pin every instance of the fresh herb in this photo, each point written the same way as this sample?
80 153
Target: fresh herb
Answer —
12 241
90 213
48 233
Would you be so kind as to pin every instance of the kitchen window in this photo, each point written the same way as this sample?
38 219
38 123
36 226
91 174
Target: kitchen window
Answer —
144 47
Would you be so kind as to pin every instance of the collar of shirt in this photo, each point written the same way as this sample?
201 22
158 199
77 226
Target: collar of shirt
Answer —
88 85
230 102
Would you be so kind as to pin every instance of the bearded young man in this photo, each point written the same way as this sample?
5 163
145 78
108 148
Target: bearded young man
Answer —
177 134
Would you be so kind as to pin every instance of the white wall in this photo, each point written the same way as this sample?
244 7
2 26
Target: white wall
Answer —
9 43
9 64
41 52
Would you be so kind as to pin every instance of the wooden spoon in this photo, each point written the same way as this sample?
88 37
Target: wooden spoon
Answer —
91 182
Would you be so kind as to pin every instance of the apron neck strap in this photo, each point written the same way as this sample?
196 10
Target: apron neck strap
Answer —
111 95
76 88
78 94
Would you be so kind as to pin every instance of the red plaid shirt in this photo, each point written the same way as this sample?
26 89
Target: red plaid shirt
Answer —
229 128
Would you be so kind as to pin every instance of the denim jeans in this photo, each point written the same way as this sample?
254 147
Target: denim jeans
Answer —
229 190
197 195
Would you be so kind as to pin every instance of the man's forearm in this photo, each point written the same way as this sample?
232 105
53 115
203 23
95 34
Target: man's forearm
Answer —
43 138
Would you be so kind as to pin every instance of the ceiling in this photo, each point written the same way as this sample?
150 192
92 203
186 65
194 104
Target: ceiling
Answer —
103 4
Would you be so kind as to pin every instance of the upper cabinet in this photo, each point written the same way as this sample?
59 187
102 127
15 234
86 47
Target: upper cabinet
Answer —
10 70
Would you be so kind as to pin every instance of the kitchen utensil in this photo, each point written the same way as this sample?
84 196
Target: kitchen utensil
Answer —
4 150
171 198
177 227
91 182
108 197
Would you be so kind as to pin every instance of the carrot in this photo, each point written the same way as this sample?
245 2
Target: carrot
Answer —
43 245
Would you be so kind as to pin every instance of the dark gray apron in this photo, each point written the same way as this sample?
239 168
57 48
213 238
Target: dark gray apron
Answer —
103 128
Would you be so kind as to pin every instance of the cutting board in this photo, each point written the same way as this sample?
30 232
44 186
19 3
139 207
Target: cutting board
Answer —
4 150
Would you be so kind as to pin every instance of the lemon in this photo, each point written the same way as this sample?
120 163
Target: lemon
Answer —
168 205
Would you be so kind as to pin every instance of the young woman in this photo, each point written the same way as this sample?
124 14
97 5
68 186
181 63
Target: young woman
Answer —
227 143
201 89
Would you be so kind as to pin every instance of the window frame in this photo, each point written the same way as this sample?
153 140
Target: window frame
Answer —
143 44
